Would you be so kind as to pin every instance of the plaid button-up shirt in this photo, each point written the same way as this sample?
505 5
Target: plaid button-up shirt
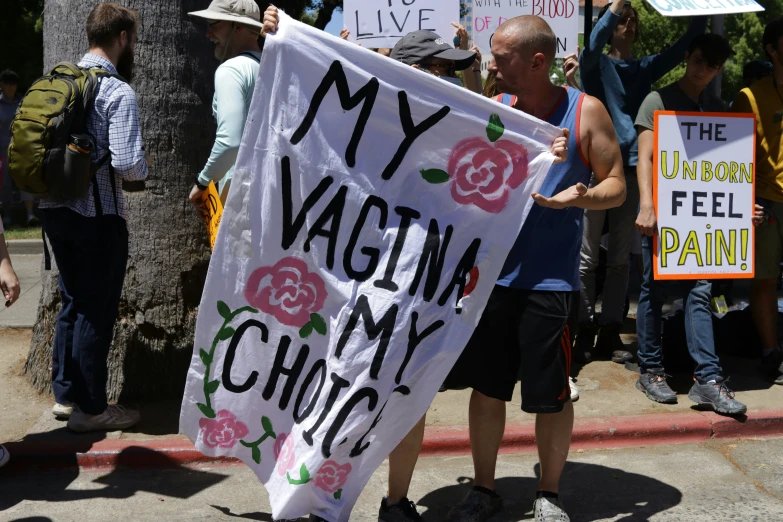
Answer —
114 125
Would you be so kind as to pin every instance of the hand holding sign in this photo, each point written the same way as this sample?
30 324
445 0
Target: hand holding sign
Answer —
646 222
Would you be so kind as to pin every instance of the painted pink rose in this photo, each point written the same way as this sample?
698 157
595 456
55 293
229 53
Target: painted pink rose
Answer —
284 453
223 431
288 291
484 174
332 476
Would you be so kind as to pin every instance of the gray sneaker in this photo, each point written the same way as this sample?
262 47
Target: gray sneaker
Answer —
550 510
477 506
655 387
716 396
402 511
114 418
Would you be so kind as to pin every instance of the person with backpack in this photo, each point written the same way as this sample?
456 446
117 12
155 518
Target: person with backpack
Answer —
88 233
234 26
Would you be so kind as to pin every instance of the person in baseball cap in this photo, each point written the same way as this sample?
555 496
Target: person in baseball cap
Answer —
427 51
234 26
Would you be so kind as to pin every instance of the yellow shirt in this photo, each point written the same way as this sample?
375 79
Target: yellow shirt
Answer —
762 100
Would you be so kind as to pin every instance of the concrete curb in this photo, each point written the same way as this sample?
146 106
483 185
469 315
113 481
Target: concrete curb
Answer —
25 247
93 454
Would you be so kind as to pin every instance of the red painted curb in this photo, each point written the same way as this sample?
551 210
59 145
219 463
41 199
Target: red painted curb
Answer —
92 454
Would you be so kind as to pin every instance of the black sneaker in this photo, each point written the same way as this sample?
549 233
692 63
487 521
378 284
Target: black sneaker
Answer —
772 367
716 396
584 346
402 511
655 387
609 342
477 506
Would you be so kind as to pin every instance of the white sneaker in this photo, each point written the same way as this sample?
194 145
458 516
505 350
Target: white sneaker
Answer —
574 389
114 418
550 510
62 411
4 456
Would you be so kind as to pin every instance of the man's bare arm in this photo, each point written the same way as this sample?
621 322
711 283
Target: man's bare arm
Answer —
646 221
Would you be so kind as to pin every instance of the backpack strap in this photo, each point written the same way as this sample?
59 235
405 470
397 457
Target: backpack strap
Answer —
251 55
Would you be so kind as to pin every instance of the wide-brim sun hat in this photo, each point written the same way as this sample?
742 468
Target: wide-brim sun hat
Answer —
244 12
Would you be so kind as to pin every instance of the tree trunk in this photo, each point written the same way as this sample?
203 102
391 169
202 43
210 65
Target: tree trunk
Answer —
169 251
325 13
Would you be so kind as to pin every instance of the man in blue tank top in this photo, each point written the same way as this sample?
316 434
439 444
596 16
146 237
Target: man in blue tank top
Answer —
528 324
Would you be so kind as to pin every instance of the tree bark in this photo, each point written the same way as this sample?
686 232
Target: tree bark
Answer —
325 13
169 251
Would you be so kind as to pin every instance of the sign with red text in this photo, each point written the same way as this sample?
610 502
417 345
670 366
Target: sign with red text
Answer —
381 23
561 15
704 7
371 210
704 194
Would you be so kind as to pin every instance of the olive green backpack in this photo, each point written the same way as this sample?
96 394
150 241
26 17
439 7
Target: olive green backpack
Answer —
50 152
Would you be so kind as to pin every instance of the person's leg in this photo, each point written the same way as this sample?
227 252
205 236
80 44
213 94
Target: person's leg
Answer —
487 424
402 462
763 306
553 436
591 246
622 227
648 314
698 331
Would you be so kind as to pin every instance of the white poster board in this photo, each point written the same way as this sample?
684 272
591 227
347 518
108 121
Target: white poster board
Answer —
371 211
381 23
562 16
704 194
704 7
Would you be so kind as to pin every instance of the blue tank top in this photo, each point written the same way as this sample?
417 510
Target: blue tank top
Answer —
545 255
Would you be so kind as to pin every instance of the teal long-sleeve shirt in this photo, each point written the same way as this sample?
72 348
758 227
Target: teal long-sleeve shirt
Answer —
235 82
622 85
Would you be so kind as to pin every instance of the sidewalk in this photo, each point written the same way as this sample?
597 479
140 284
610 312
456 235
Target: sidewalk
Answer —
611 412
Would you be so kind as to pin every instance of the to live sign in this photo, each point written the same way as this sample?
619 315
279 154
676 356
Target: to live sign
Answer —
561 15
704 7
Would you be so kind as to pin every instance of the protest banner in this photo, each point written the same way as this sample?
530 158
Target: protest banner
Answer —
704 7
371 210
214 212
381 23
561 15
704 194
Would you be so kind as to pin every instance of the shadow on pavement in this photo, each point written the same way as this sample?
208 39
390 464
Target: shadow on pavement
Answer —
590 492
119 484
262 517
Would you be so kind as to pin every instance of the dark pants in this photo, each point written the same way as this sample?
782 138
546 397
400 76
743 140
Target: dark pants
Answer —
91 254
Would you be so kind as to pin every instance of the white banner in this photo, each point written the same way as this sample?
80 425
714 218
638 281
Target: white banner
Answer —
371 211
561 15
703 181
381 23
704 7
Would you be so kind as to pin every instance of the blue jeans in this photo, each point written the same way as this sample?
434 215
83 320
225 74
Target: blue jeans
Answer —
91 255
698 321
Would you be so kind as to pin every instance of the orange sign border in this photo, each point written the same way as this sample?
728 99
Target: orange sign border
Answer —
751 240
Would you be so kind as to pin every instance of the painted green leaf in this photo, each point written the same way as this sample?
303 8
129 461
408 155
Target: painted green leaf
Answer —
266 423
226 333
256 455
434 176
304 474
246 444
318 323
212 387
224 310
206 410
495 129
338 494
205 357
306 330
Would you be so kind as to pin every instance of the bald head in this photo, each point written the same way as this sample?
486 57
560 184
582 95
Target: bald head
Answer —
530 34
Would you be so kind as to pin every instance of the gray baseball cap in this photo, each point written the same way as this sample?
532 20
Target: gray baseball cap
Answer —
418 46
239 11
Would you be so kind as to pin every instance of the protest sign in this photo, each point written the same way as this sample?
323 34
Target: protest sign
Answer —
214 212
371 210
704 7
561 15
381 23
704 193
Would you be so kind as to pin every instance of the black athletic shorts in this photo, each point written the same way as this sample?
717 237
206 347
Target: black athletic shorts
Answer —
523 334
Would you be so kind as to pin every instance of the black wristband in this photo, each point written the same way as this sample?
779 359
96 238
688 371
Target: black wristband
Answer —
199 185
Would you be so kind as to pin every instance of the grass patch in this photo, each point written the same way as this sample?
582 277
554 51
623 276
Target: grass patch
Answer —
17 232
